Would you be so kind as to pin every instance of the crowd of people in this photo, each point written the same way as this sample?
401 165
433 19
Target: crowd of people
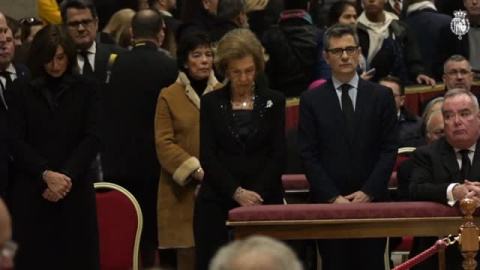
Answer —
188 114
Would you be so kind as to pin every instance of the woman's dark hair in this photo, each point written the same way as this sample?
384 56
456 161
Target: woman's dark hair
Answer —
43 49
189 40
336 11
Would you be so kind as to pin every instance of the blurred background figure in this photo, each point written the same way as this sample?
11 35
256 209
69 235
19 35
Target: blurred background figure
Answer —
49 11
177 133
292 48
165 7
30 27
256 252
231 14
54 138
242 138
16 28
118 27
342 12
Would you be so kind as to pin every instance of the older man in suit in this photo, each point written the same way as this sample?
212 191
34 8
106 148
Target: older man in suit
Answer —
347 136
3 112
449 170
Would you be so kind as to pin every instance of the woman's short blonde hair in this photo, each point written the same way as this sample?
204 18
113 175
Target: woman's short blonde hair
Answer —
119 27
237 44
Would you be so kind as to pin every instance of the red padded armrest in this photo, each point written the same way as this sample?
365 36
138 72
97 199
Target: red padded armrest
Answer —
343 211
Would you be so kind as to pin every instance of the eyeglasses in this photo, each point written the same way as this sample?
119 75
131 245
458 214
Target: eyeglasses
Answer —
350 50
454 72
76 24
30 21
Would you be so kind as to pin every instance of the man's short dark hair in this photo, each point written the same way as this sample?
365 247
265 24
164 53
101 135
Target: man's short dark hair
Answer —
77 4
396 81
296 4
230 9
146 23
455 58
13 24
338 31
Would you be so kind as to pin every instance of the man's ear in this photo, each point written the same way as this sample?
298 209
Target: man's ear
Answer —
402 100
326 57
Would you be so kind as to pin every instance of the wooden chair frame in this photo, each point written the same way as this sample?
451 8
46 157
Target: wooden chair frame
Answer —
112 186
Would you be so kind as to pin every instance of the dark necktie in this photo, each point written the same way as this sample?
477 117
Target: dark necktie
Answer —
348 112
87 67
465 163
7 77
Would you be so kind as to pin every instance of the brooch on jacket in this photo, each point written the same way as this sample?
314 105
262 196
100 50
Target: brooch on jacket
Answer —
269 104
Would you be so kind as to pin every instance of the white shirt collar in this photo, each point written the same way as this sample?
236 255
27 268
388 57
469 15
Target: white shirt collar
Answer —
11 69
471 148
353 82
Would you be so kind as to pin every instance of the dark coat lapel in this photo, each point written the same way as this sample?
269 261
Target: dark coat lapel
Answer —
474 173
101 61
224 98
363 96
450 161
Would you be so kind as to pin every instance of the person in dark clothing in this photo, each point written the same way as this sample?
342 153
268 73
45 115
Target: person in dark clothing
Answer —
242 143
409 125
3 112
129 157
53 126
292 47
425 23
231 14
389 46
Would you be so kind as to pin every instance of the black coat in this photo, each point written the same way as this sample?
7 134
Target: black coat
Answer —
425 26
128 112
435 168
292 46
334 167
58 134
450 45
228 163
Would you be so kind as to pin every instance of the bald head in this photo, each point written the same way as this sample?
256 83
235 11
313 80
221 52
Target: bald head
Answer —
146 24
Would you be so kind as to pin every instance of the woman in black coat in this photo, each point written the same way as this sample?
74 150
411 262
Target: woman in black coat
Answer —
53 140
242 143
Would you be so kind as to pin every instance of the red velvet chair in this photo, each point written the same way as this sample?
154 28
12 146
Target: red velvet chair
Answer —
120 225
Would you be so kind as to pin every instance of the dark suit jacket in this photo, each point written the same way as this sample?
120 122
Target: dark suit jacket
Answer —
333 166
436 167
21 73
256 164
450 45
128 112
425 26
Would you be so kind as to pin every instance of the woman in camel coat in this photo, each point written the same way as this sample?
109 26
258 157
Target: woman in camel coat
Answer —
177 136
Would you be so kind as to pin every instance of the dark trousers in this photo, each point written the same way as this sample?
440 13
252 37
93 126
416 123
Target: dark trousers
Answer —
145 191
347 254
209 229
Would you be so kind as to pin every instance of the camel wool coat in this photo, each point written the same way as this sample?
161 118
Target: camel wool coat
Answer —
177 139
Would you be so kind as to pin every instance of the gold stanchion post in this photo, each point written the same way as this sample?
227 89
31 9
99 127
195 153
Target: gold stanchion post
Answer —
468 235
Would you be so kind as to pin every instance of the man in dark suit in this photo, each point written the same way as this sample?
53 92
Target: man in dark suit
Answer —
81 20
348 145
3 112
448 170
8 73
129 157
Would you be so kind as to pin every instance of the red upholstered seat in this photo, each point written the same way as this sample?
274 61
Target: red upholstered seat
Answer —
295 182
342 211
119 225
